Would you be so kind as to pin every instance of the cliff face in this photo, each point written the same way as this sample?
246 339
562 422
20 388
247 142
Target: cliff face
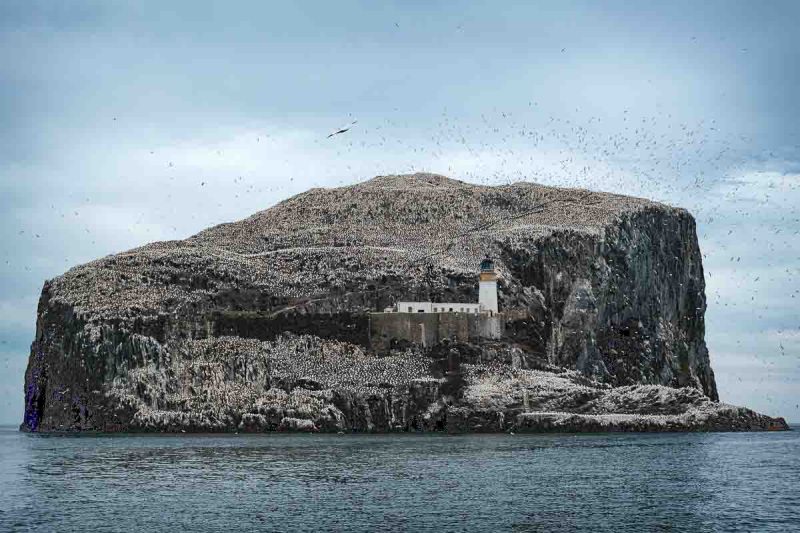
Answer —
262 324
625 306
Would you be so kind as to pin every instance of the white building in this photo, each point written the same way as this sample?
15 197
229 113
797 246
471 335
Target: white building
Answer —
431 307
487 298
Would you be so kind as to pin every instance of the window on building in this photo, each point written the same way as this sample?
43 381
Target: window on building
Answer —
410 309
451 309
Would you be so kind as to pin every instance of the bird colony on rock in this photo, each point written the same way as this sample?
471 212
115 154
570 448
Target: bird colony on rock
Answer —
258 325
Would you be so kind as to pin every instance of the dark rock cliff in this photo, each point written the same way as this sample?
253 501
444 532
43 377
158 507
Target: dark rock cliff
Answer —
261 324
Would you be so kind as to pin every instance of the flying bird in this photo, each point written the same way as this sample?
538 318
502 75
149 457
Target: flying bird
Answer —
342 130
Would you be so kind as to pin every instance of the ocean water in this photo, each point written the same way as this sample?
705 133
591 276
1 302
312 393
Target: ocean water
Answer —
409 482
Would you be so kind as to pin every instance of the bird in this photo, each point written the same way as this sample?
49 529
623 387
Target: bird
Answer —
343 130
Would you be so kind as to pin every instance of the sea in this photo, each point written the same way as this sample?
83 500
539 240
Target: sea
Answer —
400 482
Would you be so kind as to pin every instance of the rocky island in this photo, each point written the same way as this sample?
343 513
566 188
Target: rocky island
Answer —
266 324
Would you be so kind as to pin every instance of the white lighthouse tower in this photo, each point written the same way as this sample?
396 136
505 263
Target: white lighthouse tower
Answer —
487 293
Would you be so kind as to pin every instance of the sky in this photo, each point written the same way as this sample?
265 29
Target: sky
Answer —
125 123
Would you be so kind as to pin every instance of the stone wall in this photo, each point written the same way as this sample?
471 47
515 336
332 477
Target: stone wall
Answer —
428 329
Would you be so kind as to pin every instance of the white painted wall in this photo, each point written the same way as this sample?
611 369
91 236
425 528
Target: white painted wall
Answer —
436 307
487 296
414 307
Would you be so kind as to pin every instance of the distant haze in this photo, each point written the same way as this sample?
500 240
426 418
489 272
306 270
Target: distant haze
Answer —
124 124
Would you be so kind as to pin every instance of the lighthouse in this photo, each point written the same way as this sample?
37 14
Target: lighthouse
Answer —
487 293
430 323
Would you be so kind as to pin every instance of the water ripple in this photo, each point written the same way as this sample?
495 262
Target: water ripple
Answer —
663 482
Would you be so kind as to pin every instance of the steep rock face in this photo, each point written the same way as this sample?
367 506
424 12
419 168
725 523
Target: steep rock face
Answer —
201 334
626 306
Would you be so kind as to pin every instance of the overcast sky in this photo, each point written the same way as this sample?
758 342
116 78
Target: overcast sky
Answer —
121 124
